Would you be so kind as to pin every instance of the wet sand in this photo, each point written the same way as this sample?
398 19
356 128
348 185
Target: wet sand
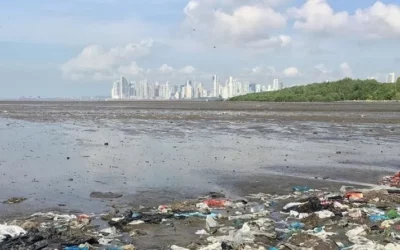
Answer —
161 152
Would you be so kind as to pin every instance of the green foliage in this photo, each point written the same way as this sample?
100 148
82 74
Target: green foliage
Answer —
343 90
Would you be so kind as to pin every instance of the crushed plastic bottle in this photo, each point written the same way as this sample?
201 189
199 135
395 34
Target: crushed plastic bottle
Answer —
301 188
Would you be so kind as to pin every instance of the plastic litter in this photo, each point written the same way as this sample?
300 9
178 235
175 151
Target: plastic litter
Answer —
174 247
392 214
378 217
308 220
211 224
215 203
10 231
301 189
355 213
354 196
325 214
297 225
202 232
393 181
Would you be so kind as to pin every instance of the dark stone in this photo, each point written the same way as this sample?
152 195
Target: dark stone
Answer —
105 195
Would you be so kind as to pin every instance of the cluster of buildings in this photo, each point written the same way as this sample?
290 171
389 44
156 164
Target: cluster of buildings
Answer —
143 90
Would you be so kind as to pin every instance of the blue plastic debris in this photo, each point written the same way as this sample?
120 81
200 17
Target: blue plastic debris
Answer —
301 188
297 225
377 217
318 229
136 215
273 248
76 248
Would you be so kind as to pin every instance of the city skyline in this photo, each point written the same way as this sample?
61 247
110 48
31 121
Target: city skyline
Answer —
143 90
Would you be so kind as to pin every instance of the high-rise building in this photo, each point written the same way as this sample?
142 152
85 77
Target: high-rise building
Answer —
275 85
230 87
188 90
124 88
252 87
390 78
145 90
280 85
215 86
115 91
258 88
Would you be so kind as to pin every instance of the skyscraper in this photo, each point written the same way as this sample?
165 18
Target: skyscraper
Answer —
115 91
275 85
390 78
230 87
216 86
124 88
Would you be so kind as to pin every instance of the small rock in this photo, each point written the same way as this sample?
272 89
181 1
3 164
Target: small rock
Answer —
68 158
106 144
137 232
338 152
14 200
105 195
29 225
70 179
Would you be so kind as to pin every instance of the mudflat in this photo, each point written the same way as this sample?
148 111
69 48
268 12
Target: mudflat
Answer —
56 154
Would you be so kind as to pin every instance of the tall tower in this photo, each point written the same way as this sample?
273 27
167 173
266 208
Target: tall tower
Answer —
275 85
390 78
124 88
230 87
216 86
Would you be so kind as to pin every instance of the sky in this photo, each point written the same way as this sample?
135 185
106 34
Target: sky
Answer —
72 48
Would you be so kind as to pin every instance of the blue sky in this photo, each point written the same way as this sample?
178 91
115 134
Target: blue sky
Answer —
78 47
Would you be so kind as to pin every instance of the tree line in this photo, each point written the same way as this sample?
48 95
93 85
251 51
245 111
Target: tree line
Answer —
343 90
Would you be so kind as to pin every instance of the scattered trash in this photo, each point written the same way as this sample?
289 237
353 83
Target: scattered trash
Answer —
354 196
305 219
215 203
301 189
297 225
392 181
377 217
211 224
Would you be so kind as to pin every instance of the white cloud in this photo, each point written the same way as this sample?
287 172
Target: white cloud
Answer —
322 73
97 63
378 21
187 70
291 72
321 68
235 22
263 70
272 42
345 70
318 16
165 68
